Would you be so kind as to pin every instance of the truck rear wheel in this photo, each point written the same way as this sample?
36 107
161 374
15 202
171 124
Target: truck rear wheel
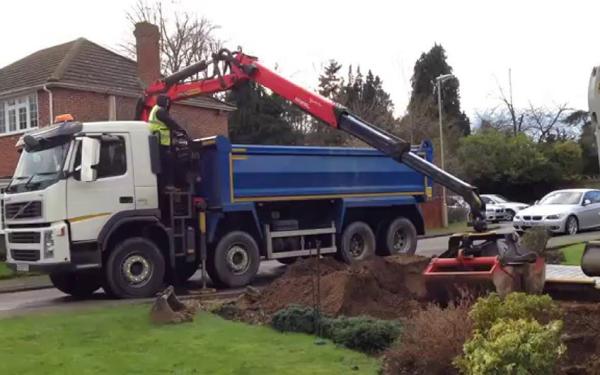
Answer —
400 238
235 260
135 268
357 243
76 284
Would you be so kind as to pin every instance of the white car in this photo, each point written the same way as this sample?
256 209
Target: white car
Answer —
511 208
494 213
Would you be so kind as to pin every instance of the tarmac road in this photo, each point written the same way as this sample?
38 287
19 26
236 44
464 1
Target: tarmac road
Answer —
45 300
53 300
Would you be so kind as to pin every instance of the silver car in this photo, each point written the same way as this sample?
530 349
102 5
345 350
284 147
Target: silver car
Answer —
562 211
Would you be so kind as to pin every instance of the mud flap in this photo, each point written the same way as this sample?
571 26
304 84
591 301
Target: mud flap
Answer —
590 261
168 309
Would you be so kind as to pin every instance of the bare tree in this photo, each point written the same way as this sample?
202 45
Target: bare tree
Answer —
516 119
545 123
184 38
501 119
539 122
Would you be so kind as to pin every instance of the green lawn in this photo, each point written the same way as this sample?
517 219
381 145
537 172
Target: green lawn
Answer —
5 272
120 340
573 254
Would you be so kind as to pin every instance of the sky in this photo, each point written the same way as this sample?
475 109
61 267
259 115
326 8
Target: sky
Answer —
549 46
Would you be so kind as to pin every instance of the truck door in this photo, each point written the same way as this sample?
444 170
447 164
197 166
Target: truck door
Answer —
91 204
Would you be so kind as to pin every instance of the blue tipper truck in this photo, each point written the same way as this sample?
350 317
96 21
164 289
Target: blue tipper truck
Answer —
281 202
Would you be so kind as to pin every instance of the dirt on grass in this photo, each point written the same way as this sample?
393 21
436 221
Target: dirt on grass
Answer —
386 288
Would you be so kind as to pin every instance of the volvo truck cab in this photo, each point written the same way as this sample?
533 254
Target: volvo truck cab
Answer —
106 182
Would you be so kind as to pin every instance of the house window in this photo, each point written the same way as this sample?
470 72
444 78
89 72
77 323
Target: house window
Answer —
18 114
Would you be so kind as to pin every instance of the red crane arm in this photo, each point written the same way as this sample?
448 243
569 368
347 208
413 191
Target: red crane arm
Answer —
241 68
245 68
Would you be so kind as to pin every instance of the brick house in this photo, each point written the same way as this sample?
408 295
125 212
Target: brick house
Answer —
93 84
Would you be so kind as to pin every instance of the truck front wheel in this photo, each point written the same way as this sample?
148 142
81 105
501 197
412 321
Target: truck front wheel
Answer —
235 260
135 269
357 243
76 284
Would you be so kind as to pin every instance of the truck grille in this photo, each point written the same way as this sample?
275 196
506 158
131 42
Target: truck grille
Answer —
26 255
23 210
24 237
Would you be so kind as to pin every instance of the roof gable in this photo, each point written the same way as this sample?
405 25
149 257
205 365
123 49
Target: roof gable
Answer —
83 64
33 70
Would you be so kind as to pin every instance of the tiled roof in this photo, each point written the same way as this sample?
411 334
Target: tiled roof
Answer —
82 64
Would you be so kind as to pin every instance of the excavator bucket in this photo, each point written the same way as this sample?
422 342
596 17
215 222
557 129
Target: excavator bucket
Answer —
590 261
477 263
167 308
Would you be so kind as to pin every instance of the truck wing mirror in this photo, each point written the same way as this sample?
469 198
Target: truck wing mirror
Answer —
90 157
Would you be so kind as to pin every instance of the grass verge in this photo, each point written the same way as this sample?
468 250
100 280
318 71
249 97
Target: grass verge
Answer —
5 272
121 340
573 254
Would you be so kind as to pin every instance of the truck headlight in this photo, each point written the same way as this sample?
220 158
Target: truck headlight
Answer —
48 244
554 217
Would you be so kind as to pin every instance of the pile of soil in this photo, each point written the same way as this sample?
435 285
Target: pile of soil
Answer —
385 288
582 338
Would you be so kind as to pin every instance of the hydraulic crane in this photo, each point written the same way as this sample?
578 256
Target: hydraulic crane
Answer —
481 256
230 70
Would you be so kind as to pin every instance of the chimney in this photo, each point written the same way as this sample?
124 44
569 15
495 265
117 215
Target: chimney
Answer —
148 54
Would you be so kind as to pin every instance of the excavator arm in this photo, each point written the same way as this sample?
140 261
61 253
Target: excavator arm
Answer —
233 69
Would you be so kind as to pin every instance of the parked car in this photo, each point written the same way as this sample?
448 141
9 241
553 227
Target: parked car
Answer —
511 208
493 212
562 211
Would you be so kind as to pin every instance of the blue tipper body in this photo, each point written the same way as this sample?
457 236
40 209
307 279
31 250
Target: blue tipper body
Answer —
235 177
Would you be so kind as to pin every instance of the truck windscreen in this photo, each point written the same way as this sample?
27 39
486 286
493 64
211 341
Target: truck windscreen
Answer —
38 169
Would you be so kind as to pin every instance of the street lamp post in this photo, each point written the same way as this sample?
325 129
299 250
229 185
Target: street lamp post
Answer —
439 80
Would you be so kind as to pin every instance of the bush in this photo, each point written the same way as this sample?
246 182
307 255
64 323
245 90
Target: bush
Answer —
554 256
362 333
295 318
535 239
359 333
487 311
430 340
513 347
458 214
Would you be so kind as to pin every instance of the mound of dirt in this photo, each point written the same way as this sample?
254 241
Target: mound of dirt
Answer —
582 338
384 288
